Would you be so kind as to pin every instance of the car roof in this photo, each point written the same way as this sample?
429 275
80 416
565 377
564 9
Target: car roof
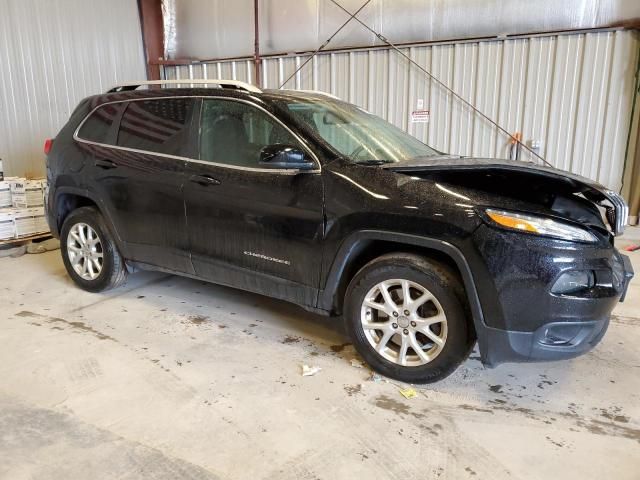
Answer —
267 94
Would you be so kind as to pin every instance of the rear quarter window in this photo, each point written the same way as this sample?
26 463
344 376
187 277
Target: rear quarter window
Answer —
97 127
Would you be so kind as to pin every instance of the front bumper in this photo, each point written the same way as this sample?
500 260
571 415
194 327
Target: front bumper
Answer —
529 322
544 344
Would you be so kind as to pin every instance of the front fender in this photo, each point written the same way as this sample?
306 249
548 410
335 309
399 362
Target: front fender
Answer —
351 246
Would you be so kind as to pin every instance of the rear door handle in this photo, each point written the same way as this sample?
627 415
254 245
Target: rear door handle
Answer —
106 164
204 180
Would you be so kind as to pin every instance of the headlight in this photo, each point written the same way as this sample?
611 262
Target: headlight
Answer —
540 226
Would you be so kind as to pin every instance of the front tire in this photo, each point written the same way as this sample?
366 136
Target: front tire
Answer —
407 317
89 253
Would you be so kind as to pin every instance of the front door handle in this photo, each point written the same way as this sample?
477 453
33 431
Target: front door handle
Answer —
106 164
204 180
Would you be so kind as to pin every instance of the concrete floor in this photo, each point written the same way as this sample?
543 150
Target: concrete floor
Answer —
171 378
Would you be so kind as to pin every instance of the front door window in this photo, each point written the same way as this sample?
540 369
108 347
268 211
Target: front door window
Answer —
234 133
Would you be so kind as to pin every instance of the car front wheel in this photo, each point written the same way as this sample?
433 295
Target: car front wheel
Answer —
408 319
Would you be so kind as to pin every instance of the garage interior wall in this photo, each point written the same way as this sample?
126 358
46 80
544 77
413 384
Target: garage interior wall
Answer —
570 93
53 54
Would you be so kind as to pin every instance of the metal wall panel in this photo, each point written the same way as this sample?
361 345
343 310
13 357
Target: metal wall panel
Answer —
53 54
206 29
572 93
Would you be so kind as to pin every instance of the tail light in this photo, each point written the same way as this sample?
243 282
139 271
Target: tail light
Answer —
48 143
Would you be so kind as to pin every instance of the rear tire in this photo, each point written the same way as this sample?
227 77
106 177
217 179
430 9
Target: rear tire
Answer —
419 330
89 253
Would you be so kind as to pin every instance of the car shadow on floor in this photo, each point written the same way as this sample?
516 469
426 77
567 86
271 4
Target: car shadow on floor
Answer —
206 297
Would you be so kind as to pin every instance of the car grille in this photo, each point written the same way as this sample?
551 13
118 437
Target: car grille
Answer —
617 212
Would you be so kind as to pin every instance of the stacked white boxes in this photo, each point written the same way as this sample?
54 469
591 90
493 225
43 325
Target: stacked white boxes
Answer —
27 193
7 224
41 225
30 221
24 222
21 208
5 194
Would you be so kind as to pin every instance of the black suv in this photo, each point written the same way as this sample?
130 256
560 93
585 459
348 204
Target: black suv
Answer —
300 196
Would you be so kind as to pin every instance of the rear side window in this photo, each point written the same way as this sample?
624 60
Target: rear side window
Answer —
97 127
160 126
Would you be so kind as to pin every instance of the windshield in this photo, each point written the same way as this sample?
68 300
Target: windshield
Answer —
358 135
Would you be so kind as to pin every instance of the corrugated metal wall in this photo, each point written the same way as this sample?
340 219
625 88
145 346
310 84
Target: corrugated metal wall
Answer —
572 93
52 54
209 29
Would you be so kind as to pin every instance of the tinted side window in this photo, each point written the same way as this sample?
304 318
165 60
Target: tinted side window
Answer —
233 133
97 127
160 126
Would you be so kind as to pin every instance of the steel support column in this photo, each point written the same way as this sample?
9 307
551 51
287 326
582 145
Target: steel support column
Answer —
152 35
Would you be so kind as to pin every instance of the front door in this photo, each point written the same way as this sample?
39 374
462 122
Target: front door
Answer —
254 228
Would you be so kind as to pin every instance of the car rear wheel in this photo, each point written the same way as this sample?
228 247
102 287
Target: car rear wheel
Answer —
89 252
408 319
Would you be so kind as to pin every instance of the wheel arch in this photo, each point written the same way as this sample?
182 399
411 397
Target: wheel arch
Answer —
68 199
363 246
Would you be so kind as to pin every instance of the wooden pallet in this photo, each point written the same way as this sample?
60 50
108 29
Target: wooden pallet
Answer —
22 240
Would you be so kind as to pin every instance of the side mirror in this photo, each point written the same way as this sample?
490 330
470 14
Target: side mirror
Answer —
284 156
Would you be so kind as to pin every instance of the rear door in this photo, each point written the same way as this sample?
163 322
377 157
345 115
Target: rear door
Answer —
254 228
140 179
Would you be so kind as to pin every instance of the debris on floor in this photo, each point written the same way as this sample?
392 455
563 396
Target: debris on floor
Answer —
308 371
408 393
376 377
356 363
632 248
45 246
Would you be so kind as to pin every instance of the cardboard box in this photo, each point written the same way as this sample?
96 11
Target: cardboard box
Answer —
7 224
24 222
30 221
18 223
5 194
27 193
40 220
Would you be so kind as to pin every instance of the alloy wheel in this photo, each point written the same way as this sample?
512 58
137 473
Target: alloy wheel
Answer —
84 250
404 322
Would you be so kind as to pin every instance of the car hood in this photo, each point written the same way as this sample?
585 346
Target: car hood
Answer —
426 164
525 180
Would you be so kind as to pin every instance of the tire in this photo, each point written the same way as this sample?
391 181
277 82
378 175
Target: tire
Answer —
109 271
446 307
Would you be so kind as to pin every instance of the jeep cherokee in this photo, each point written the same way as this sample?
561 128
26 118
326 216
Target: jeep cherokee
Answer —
303 197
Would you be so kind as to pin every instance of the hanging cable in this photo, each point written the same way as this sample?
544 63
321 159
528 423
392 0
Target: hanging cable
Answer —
351 17
422 69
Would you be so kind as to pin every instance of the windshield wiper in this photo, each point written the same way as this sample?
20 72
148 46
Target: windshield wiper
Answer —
372 162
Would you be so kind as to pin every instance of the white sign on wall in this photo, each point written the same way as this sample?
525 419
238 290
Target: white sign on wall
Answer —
420 116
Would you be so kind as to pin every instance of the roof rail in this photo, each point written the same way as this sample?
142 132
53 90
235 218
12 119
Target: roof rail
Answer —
320 92
235 84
